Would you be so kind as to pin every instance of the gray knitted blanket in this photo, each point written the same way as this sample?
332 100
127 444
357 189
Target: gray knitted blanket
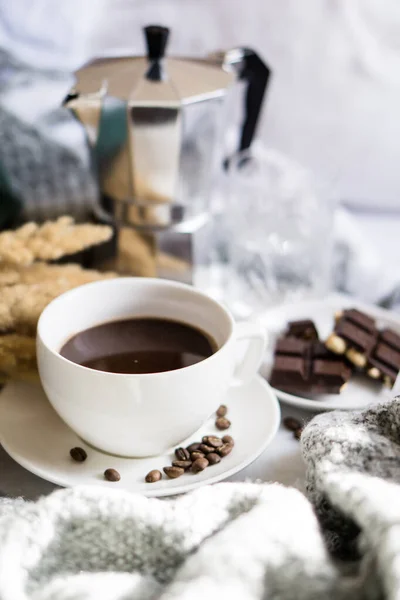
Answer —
245 541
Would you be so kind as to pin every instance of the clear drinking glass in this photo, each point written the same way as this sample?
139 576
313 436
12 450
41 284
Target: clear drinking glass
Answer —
279 222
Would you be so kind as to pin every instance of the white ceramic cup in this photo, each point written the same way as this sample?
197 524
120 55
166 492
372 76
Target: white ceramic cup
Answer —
141 414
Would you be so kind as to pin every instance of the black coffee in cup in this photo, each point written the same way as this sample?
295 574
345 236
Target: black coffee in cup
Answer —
139 345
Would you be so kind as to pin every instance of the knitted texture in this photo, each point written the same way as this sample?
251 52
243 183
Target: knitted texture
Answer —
337 444
43 152
244 541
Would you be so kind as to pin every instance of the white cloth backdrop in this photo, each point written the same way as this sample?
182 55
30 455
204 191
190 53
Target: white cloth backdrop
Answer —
334 101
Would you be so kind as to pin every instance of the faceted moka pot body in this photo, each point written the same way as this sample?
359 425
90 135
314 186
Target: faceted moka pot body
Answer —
160 130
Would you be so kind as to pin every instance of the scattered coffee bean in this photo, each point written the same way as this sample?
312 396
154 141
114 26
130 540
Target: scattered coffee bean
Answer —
195 455
193 447
228 439
182 464
213 458
173 472
206 449
291 423
78 454
297 433
112 475
224 450
222 423
182 454
199 465
198 455
222 410
213 441
153 476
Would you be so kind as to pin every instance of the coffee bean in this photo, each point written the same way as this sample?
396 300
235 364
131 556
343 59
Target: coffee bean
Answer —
222 423
297 433
195 455
224 450
205 449
291 423
193 447
182 454
153 476
228 439
78 454
199 465
213 441
112 475
182 464
213 458
222 410
173 472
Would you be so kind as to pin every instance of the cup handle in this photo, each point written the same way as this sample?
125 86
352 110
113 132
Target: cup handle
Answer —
249 365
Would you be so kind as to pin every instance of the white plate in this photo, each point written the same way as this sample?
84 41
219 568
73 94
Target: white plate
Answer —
360 391
35 436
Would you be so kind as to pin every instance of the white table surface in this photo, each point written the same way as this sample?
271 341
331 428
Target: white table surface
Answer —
281 462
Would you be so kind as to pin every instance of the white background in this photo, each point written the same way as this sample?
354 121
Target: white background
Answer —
334 103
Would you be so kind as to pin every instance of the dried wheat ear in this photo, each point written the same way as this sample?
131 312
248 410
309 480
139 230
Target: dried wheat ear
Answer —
28 283
50 241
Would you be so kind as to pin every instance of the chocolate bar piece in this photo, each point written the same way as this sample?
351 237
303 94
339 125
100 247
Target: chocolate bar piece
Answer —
355 335
303 330
384 358
308 367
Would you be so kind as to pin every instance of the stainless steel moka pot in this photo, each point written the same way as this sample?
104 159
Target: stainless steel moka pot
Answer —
160 129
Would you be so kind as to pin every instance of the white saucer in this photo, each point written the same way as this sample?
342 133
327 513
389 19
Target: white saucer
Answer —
35 437
360 391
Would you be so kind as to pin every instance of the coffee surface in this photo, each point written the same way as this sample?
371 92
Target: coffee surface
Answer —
140 345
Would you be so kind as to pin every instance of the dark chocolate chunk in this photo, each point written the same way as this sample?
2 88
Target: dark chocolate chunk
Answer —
303 330
319 350
359 318
355 335
390 337
384 358
307 367
291 346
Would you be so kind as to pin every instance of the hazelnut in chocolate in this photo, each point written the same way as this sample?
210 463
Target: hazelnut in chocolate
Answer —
354 335
383 361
